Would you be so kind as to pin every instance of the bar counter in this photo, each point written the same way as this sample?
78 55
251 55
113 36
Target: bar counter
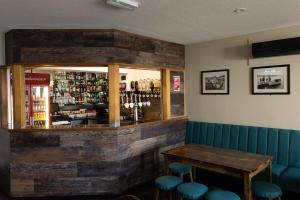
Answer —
85 161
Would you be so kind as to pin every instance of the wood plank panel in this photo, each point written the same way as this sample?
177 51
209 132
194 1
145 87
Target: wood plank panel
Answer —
19 96
86 47
166 94
5 161
90 162
114 95
22 187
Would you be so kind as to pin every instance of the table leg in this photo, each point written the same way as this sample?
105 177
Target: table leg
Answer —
247 187
270 172
166 167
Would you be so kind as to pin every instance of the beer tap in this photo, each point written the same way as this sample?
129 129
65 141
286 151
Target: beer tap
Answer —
135 110
131 105
122 99
140 103
126 104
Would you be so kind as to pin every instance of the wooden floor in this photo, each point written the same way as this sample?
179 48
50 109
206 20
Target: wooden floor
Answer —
144 192
147 191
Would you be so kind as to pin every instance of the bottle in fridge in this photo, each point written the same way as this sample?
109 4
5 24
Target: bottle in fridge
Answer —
37 100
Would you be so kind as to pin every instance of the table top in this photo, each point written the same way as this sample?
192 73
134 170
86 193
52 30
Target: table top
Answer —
243 161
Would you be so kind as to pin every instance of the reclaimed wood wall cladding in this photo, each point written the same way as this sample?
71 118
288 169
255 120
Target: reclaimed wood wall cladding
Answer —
86 47
90 162
4 161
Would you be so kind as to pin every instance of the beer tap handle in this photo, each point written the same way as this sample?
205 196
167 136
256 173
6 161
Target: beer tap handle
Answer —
122 99
135 99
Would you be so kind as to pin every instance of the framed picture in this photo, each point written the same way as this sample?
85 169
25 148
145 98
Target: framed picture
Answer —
215 82
271 79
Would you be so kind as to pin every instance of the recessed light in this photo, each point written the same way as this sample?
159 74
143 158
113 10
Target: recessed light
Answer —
239 10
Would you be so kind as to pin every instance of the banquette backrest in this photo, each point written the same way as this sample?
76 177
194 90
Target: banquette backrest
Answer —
282 144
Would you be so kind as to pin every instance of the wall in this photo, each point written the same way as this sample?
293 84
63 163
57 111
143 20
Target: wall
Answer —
240 107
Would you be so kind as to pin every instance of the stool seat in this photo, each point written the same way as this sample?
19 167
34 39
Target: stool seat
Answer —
180 168
192 191
266 190
167 182
221 195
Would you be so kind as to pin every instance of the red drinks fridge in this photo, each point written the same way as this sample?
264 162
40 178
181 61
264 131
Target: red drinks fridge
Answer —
37 100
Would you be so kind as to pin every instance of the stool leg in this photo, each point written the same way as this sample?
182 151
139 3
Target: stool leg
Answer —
195 173
181 175
191 176
157 194
279 198
170 195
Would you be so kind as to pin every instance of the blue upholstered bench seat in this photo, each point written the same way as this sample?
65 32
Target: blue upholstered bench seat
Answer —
277 171
282 144
290 179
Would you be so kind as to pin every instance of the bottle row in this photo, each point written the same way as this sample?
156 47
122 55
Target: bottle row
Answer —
79 88
39 124
38 106
63 75
144 85
39 116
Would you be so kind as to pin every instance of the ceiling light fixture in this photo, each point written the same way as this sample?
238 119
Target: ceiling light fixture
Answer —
126 4
239 10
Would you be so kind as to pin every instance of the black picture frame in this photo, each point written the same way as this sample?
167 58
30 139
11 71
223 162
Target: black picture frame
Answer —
270 80
216 91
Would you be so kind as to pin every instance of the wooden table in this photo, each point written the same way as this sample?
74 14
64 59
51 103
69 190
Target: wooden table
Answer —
229 162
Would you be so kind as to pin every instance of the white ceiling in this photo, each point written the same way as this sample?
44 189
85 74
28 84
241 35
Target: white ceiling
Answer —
181 21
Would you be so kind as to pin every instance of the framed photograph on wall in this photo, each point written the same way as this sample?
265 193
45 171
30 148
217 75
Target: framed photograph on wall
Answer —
214 82
271 79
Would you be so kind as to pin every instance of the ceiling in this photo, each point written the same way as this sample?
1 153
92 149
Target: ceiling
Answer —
180 21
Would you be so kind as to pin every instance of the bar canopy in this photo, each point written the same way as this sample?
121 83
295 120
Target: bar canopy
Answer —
90 47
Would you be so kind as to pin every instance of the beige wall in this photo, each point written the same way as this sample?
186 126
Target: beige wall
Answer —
240 107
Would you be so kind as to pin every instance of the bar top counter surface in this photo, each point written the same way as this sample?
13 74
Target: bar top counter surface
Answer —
95 160
91 127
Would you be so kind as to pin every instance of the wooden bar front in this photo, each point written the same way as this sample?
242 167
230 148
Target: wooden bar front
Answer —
92 161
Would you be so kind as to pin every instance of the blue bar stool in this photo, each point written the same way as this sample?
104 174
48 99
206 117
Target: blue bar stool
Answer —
182 169
167 183
266 190
191 191
221 195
